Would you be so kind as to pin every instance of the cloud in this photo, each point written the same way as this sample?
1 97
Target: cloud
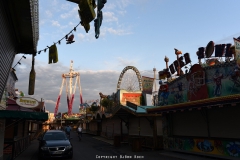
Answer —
123 3
109 17
81 36
55 23
109 6
65 6
48 13
54 3
92 82
117 31
126 62
73 12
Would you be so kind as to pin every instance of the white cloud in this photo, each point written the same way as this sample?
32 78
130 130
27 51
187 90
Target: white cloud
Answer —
65 6
109 17
81 36
126 62
123 12
54 3
71 13
109 6
117 31
123 3
48 13
55 23
92 82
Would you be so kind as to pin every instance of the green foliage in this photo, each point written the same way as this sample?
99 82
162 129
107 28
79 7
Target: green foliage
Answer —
94 107
107 103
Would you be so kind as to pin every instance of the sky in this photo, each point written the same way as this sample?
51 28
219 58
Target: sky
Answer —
133 33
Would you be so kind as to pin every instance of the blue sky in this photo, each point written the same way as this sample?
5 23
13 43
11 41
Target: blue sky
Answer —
138 33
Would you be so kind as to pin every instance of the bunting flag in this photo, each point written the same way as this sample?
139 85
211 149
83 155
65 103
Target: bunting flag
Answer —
237 50
53 54
147 84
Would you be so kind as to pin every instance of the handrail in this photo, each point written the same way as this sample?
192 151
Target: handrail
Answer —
18 146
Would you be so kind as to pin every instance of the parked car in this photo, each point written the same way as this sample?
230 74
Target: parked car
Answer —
55 143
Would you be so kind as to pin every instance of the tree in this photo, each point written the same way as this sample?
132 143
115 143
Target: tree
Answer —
94 107
107 103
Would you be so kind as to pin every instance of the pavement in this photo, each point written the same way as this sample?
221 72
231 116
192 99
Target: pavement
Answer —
31 153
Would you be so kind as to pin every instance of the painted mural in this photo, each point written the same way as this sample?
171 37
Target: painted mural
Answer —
207 146
201 83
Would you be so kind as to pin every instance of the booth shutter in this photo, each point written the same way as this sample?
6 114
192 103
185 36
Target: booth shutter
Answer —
189 123
223 122
145 128
133 126
108 128
117 126
93 126
7 49
104 124
159 126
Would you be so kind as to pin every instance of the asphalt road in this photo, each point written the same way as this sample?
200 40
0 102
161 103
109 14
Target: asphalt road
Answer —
90 148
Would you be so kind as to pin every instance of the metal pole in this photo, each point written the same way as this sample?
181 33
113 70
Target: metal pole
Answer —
61 121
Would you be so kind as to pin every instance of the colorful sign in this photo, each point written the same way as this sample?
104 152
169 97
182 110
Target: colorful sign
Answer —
207 146
74 116
27 102
131 97
202 83
147 84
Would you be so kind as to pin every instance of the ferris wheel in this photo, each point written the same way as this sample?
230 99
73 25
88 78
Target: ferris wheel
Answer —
130 79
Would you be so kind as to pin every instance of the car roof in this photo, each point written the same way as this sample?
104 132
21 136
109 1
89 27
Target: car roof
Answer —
53 131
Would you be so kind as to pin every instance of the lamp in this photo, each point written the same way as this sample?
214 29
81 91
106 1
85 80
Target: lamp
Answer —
24 57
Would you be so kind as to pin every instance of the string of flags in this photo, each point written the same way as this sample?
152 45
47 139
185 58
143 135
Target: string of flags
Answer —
87 14
69 39
13 68
53 56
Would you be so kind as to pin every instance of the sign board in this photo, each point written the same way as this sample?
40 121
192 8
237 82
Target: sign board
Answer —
131 105
131 97
27 102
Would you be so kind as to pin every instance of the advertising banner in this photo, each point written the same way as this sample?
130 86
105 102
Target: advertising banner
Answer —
147 84
237 50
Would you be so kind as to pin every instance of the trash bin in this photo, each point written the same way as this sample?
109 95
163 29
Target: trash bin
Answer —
117 141
136 144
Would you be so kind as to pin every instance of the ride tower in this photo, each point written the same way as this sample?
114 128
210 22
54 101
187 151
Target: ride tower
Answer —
70 89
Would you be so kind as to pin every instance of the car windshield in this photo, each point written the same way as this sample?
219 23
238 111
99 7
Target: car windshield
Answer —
54 136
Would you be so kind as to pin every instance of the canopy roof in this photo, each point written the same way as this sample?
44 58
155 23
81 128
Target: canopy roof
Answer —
41 116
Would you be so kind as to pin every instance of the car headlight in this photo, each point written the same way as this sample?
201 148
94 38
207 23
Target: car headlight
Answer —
44 148
68 147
